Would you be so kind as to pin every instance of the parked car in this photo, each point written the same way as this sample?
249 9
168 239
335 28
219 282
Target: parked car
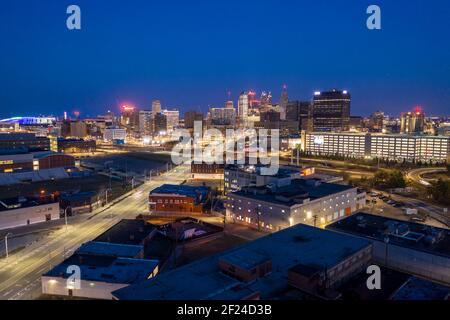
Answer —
411 212
417 218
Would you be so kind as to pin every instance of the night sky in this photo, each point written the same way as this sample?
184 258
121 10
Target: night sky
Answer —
189 54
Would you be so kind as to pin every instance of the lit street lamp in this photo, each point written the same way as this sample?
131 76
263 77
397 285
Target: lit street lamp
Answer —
65 216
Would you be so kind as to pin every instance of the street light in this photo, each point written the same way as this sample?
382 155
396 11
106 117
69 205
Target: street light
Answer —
65 216
106 196
6 243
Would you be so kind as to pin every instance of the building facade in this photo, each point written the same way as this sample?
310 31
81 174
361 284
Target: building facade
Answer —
18 212
27 141
190 117
304 201
24 162
237 177
145 122
401 245
397 147
114 133
243 106
178 199
173 119
412 122
331 111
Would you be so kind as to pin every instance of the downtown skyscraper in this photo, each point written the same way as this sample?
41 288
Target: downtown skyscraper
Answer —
331 111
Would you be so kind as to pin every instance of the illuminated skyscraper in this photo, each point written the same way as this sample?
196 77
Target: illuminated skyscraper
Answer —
129 118
283 102
145 122
229 104
190 117
377 121
156 106
243 105
173 118
331 111
266 101
412 122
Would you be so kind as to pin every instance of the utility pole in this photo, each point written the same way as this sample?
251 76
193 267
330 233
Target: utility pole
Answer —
65 216
6 244
386 241
258 213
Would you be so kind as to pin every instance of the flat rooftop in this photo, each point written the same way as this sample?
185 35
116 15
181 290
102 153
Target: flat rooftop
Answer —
421 289
79 196
106 268
7 136
127 231
245 259
283 171
401 233
198 193
185 190
287 248
111 249
22 202
298 189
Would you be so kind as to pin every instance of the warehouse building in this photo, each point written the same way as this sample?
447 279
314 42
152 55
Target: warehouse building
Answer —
21 161
100 274
178 199
306 201
18 212
238 176
260 269
23 140
409 247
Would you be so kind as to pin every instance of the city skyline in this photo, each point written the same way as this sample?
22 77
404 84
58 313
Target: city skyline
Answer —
122 55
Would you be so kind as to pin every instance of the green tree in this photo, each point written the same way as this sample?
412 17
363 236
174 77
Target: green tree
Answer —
396 180
380 177
440 191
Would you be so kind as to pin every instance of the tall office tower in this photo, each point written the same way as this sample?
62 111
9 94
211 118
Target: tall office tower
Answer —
173 118
266 101
145 122
412 122
65 128
129 118
110 119
377 121
156 106
222 116
159 124
243 105
190 117
283 102
331 111
78 129
299 111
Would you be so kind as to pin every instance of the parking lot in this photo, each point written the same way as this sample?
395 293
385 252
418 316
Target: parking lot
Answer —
383 204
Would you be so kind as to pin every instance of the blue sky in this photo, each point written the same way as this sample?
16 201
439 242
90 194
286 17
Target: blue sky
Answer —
189 54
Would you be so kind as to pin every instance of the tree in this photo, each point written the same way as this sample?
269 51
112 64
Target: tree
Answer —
389 179
440 191
380 177
396 180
